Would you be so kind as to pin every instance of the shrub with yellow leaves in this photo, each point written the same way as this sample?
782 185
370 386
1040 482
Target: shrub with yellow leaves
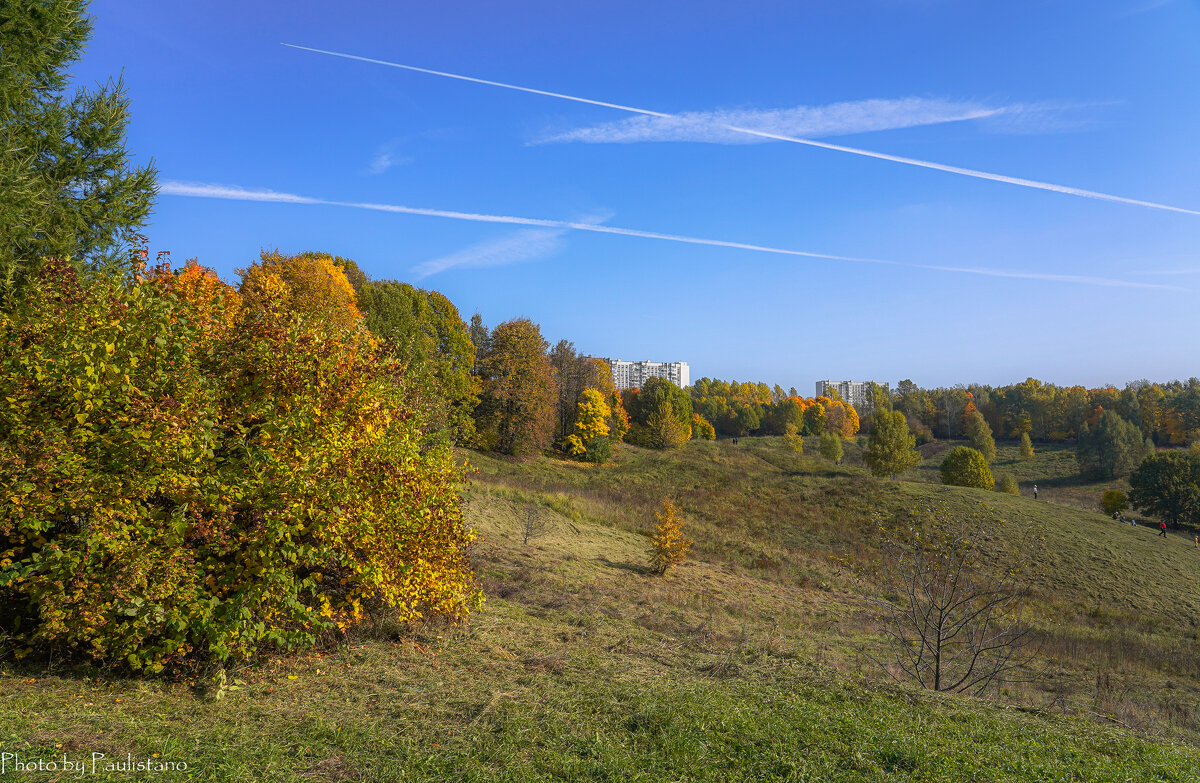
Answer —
188 476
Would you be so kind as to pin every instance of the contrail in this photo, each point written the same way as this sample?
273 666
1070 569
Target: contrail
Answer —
1026 183
229 192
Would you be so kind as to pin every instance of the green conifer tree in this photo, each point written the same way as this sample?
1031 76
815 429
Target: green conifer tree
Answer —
67 185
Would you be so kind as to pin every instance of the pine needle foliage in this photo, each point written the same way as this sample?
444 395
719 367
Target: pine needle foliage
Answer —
669 545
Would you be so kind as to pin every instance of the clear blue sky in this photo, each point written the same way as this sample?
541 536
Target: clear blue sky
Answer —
1098 95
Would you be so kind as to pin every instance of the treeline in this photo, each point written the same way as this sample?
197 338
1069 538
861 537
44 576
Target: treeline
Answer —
737 409
1166 413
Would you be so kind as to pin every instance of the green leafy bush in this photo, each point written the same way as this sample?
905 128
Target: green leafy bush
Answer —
966 467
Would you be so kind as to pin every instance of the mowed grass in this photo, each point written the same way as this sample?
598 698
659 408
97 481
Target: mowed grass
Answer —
742 664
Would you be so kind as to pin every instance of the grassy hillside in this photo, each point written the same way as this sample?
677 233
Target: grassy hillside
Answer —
742 664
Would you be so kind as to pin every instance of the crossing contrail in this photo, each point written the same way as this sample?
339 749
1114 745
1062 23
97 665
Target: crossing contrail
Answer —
236 193
1025 183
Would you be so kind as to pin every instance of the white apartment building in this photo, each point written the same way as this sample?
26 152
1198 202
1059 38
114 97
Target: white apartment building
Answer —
633 375
857 393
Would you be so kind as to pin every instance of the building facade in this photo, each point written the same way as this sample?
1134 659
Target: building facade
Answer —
633 375
857 393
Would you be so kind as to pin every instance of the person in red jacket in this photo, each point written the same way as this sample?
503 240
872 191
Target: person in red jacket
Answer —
1162 529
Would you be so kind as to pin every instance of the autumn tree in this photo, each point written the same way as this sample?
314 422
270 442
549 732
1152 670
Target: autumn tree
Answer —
891 448
793 438
702 429
966 467
590 439
275 479
573 373
668 546
618 419
979 435
310 285
517 396
840 418
1026 448
68 187
424 330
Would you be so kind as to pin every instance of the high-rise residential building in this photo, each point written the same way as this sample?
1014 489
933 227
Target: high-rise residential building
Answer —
633 375
857 393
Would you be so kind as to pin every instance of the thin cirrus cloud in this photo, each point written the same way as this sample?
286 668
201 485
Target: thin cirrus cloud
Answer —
794 139
837 119
530 244
385 158
237 193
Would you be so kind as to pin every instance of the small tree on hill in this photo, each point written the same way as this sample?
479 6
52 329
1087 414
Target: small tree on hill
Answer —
793 438
669 545
891 448
980 436
1007 484
831 447
955 593
1026 446
533 525
1113 501
966 467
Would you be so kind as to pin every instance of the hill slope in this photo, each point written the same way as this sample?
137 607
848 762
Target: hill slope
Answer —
741 664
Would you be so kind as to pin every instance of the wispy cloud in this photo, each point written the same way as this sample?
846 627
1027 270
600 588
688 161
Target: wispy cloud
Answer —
386 157
233 192
962 171
529 244
230 192
838 119
1143 7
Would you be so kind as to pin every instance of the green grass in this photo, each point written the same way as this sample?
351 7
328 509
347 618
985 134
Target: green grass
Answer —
742 664
1052 468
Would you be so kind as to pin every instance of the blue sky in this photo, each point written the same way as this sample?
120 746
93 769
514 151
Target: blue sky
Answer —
1097 96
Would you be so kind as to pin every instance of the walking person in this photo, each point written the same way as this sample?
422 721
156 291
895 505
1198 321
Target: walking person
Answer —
1035 491
1162 529
1196 541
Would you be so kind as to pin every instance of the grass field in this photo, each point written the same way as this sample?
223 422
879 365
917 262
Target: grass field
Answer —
743 664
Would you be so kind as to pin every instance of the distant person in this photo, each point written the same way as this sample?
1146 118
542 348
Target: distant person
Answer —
1117 515
1196 541
1162 529
1035 491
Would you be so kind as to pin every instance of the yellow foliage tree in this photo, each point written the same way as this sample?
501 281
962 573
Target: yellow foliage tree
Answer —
216 304
669 545
311 285
592 418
